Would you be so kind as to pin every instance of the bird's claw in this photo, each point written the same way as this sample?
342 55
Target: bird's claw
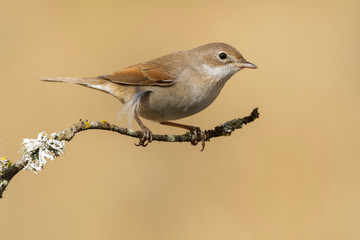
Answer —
146 137
197 136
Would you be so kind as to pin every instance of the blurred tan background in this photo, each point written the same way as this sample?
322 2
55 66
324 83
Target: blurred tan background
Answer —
292 174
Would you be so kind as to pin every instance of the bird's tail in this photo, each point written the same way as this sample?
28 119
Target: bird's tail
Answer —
95 83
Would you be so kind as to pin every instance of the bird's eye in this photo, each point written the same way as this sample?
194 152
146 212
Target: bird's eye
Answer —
222 56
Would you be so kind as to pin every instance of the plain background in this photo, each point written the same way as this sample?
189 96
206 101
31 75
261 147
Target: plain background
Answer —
292 174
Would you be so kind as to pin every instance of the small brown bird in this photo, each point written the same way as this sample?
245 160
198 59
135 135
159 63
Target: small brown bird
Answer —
170 87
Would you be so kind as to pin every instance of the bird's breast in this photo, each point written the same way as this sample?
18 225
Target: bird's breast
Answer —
180 100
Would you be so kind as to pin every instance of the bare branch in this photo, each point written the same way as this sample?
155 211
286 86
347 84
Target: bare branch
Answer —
8 171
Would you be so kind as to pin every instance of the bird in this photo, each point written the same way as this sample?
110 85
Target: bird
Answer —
170 87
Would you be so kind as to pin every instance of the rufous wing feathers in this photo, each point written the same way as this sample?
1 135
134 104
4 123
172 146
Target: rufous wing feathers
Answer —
148 74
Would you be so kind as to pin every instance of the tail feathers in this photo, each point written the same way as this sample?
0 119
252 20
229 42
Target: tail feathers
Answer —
131 99
82 81
95 83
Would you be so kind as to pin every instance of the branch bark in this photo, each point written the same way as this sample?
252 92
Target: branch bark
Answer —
7 173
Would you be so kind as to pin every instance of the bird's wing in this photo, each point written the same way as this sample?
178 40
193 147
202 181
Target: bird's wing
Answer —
143 74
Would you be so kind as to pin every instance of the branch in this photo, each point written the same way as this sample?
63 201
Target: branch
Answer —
36 151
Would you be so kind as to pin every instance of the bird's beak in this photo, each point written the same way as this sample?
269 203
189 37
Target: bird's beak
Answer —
245 64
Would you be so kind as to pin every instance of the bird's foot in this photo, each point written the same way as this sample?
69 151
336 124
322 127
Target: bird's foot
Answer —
146 137
197 136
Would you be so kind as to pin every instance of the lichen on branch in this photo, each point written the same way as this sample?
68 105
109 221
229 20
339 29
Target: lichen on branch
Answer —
36 152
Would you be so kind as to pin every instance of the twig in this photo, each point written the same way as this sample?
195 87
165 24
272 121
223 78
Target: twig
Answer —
8 170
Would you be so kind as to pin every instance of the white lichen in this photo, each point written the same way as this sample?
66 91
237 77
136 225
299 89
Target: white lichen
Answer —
36 152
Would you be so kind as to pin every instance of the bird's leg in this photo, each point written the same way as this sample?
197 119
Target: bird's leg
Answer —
147 134
198 135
